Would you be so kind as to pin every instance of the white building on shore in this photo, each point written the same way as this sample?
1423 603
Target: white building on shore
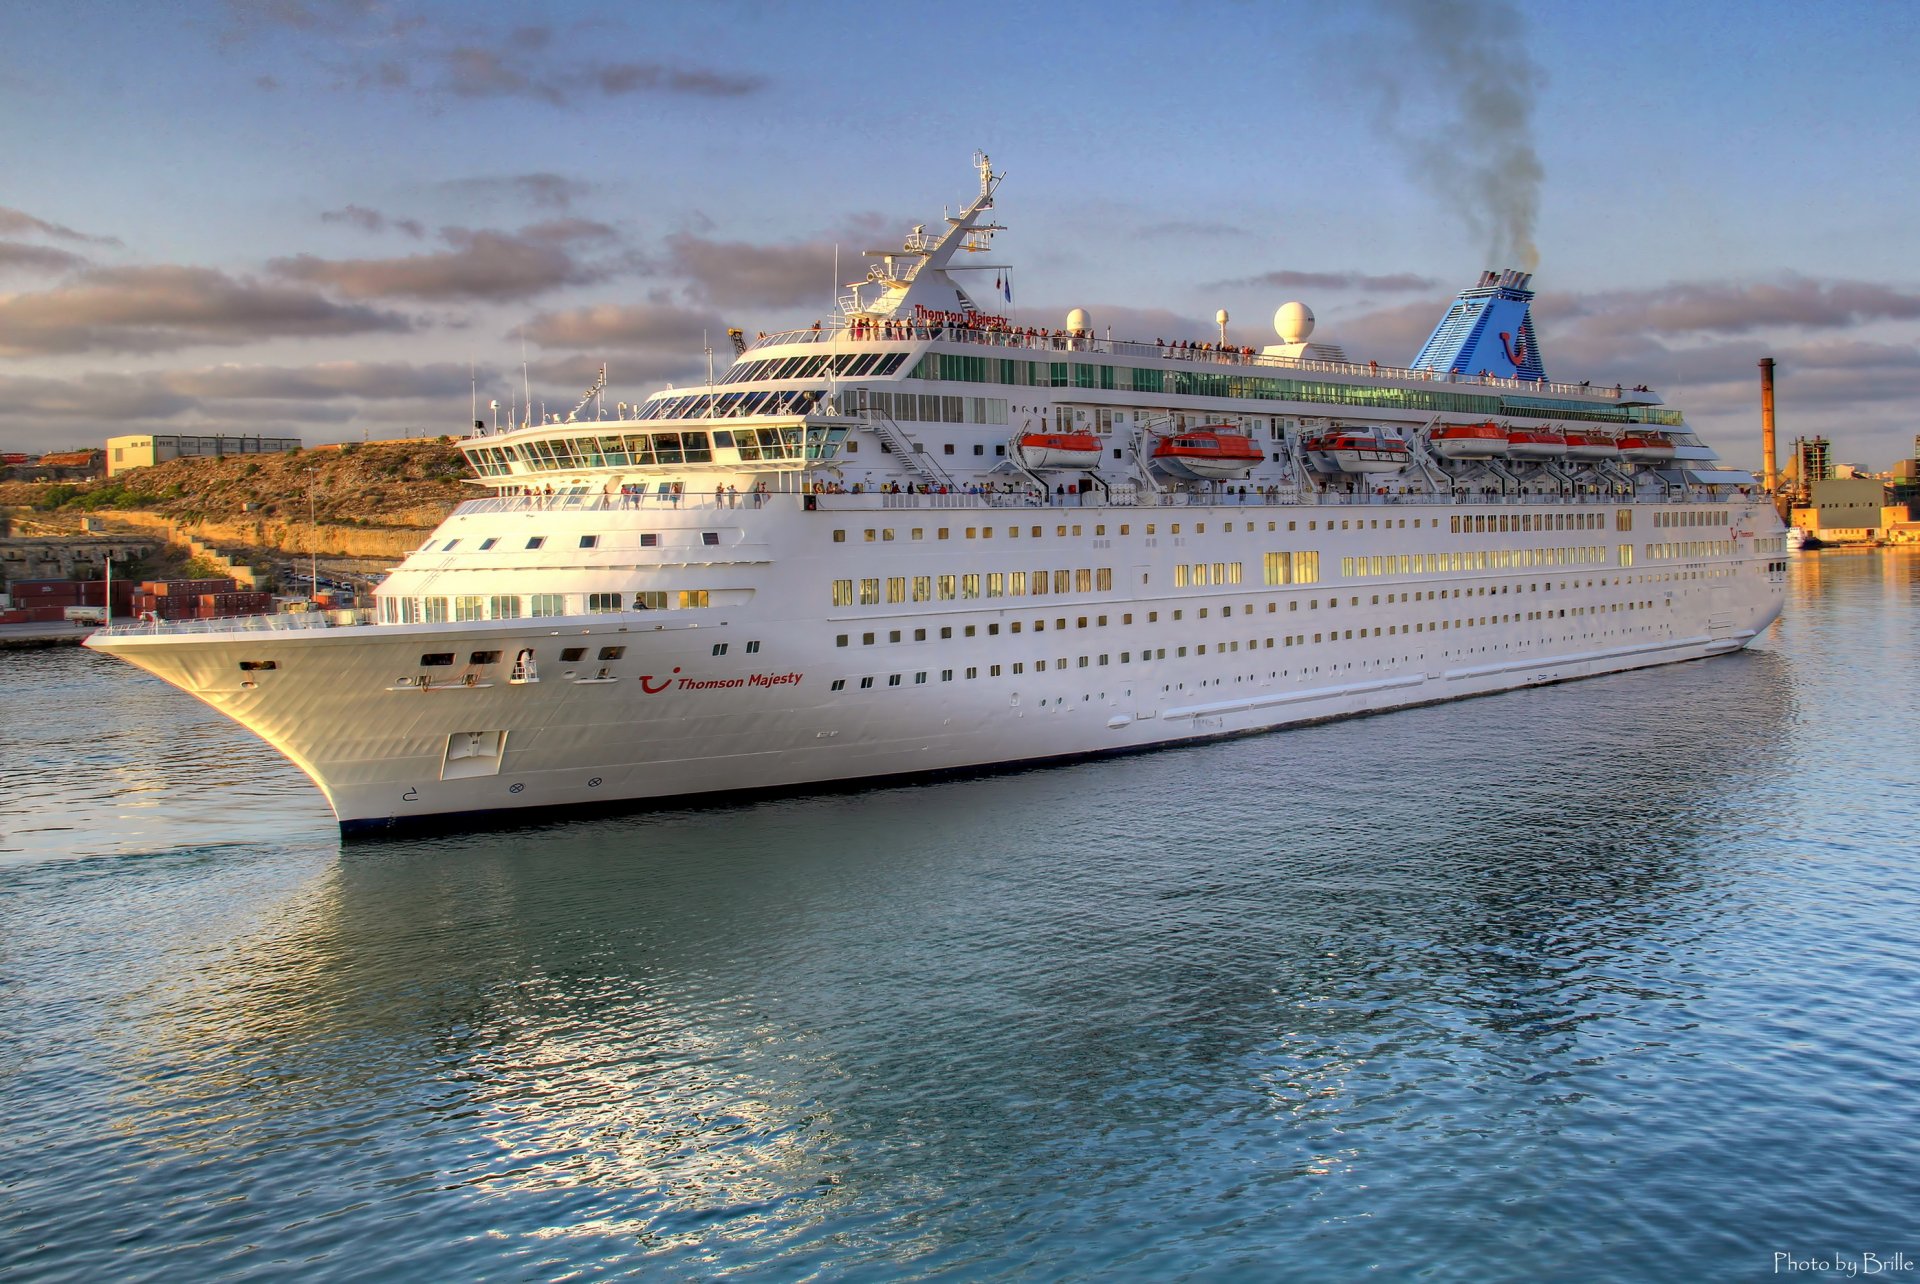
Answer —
146 449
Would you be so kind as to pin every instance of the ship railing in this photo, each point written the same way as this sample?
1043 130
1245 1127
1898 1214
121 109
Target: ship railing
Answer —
1066 345
278 623
810 335
1026 497
1254 497
599 502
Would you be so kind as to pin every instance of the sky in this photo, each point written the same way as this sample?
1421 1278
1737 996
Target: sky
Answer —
331 218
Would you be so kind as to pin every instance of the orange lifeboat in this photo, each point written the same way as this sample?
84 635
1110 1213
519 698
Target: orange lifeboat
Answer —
1591 445
1469 441
1646 448
1536 443
1207 454
1047 451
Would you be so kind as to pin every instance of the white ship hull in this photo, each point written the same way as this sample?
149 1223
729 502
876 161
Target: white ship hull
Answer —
818 569
672 720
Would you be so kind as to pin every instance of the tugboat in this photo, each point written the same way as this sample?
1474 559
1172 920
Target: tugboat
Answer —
1215 453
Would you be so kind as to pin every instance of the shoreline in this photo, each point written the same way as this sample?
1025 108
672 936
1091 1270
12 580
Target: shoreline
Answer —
30 637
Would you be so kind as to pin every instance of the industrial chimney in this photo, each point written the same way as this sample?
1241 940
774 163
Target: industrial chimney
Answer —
1772 478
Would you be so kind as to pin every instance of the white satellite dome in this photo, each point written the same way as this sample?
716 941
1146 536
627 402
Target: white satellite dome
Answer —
1293 322
1079 320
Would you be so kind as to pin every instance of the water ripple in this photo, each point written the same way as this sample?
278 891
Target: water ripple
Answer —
1608 981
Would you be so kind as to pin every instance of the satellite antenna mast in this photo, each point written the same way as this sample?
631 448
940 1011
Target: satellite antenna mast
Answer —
708 344
526 383
592 394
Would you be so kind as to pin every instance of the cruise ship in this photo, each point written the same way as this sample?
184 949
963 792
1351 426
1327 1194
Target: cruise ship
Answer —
923 539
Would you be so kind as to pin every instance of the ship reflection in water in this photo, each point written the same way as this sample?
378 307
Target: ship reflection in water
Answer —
1574 982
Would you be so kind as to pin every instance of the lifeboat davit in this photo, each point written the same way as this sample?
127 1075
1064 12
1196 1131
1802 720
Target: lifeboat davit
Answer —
1591 445
1048 451
1357 450
1646 448
1469 441
1207 454
1536 443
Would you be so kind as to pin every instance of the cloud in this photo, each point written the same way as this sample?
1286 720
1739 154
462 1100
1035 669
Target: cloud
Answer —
374 48
628 325
375 380
1714 307
615 79
1181 230
1285 280
739 274
642 346
568 231
472 72
483 265
515 70
542 190
1393 335
632 375
244 398
18 256
329 17
103 397
19 223
158 308
373 220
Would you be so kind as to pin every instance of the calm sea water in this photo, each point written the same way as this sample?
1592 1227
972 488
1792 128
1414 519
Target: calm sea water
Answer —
1616 980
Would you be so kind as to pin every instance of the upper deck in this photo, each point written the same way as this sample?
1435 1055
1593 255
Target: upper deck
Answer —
1055 345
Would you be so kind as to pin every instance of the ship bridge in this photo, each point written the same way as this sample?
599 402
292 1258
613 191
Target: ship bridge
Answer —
916 279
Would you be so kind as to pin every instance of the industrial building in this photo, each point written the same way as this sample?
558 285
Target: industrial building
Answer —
147 449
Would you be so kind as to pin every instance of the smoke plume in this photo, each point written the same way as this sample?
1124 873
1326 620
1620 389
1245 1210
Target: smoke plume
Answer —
1455 94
